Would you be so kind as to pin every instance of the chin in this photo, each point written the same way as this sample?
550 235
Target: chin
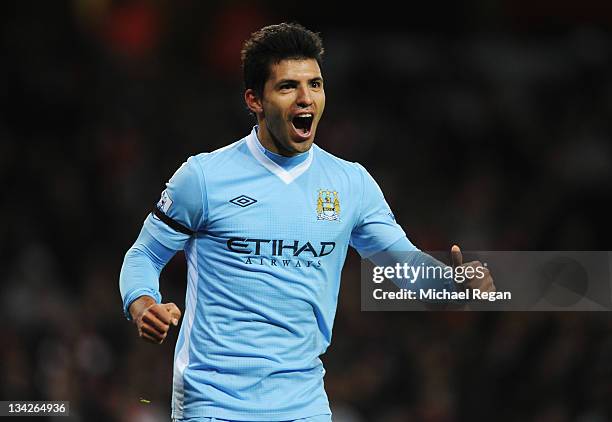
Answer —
302 146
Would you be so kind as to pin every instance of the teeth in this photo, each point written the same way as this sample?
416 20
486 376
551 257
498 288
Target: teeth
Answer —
304 115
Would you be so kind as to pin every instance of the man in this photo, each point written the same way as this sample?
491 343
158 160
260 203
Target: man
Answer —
265 224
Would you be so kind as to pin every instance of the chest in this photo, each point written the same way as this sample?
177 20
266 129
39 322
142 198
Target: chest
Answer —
315 208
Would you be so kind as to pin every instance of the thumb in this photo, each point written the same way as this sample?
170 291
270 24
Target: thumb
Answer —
456 256
175 313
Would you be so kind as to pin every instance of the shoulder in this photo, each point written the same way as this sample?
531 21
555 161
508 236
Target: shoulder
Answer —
219 158
352 169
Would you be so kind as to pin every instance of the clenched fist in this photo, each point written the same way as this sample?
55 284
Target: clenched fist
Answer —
153 319
484 283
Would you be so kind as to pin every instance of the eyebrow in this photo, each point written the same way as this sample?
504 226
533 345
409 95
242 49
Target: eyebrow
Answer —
294 81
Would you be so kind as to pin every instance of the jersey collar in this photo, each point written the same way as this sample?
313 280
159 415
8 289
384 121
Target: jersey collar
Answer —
258 151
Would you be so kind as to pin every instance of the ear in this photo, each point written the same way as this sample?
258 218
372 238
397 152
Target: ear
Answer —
253 101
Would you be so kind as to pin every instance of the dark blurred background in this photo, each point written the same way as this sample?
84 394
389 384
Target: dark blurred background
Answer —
486 123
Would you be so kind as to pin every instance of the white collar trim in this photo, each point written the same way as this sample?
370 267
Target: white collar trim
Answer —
264 160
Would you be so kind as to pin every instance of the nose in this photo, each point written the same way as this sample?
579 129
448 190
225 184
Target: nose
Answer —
304 99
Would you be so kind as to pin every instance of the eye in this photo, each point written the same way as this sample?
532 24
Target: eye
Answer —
316 84
285 87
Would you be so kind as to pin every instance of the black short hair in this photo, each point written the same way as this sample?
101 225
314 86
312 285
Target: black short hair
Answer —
274 43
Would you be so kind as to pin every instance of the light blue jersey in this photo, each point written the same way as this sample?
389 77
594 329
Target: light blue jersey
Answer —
265 238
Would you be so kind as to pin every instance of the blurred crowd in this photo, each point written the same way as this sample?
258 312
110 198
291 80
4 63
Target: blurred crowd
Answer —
492 135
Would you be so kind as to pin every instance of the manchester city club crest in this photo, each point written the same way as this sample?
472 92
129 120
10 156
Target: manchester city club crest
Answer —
328 205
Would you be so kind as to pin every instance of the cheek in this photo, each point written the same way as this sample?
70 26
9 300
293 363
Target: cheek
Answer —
321 104
272 111
275 117
275 120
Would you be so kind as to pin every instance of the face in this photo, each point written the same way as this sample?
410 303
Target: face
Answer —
291 106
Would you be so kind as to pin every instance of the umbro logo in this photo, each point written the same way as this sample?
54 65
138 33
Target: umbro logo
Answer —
243 201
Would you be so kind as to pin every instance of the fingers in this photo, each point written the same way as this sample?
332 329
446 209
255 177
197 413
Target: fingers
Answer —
477 275
456 256
151 328
150 338
175 312
488 283
169 313
154 323
480 278
150 334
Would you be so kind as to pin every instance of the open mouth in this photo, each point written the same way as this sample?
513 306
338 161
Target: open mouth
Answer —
302 123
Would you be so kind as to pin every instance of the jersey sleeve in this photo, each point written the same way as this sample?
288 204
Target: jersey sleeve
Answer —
180 212
375 229
140 271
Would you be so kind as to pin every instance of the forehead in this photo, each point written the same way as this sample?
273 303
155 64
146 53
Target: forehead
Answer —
297 69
